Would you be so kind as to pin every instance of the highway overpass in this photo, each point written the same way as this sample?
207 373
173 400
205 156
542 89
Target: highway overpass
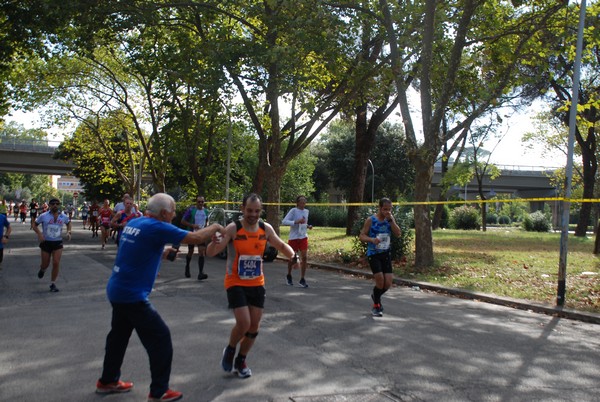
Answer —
31 156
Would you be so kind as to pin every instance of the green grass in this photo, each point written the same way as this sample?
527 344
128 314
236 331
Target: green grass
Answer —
505 262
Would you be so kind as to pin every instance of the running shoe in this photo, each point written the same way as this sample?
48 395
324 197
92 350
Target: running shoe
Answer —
289 280
53 288
168 396
303 283
113 387
41 273
376 310
380 305
227 360
202 276
243 371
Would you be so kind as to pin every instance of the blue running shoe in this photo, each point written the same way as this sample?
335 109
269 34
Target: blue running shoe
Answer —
227 360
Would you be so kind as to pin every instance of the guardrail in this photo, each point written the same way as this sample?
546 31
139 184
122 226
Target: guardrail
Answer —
32 145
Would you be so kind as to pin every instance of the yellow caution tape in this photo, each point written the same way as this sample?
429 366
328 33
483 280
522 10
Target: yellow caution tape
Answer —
408 203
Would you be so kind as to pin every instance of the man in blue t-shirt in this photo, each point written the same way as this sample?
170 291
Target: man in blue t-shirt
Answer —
194 218
141 249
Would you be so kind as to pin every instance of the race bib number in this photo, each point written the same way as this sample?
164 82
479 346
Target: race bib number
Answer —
302 229
384 241
249 266
53 230
95 213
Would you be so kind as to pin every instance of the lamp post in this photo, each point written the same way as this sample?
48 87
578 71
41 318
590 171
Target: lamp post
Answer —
229 135
372 181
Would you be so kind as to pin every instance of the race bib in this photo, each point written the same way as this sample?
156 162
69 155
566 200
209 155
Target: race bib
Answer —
249 266
95 213
53 230
384 241
302 229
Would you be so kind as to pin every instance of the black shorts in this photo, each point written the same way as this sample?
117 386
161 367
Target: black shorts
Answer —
241 296
381 262
49 246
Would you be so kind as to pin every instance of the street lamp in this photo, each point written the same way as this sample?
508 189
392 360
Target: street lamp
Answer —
229 134
372 181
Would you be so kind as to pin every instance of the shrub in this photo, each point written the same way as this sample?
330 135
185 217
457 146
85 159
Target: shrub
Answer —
504 220
491 219
326 216
465 217
537 222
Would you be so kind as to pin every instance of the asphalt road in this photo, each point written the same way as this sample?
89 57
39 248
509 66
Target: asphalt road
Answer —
316 344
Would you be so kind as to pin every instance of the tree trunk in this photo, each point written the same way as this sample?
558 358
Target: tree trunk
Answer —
364 142
439 208
590 167
423 235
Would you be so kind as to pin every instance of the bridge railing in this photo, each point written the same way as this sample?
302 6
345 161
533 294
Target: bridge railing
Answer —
32 145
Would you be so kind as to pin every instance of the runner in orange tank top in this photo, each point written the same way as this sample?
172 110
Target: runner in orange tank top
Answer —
244 278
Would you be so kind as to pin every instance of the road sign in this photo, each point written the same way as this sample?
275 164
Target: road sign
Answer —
75 194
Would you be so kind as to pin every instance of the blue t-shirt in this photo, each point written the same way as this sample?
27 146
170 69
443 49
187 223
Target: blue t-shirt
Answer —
383 231
138 259
3 224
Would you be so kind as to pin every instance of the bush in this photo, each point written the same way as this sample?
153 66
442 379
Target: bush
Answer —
466 218
504 220
491 219
537 222
400 245
326 216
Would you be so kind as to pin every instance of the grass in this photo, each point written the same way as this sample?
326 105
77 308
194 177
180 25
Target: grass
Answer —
505 262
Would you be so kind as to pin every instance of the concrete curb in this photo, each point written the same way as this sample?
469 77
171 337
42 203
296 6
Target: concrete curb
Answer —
554 311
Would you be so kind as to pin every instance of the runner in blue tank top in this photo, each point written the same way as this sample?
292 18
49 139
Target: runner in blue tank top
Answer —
377 232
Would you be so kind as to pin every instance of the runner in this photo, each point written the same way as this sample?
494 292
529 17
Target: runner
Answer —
33 211
50 238
120 219
94 218
194 218
85 208
297 219
246 240
377 232
105 215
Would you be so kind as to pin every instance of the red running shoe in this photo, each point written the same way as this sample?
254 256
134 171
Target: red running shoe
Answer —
113 387
170 395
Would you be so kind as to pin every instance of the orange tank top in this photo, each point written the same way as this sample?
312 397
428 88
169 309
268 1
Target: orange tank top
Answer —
245 257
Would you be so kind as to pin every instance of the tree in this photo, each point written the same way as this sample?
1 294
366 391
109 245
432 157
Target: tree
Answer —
101 152
500 31
553 69
394 173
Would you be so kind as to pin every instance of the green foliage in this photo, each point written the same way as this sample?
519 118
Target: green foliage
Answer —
400 245
323 216
466 218
394 174
491 218
504 220
514 210
537 221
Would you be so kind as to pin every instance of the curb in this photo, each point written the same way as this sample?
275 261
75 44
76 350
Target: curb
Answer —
555 311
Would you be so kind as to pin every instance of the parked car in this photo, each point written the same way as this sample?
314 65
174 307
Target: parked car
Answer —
225 217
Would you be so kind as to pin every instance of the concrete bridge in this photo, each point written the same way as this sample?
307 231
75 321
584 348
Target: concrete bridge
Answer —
31 156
